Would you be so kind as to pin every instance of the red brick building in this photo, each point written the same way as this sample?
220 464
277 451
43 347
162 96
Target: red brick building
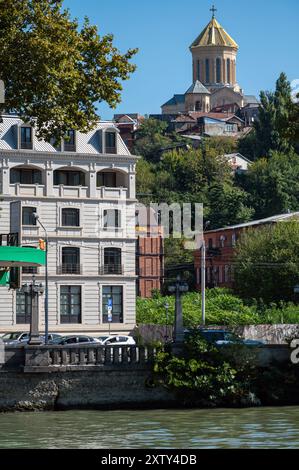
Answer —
128 124
220 248
149 258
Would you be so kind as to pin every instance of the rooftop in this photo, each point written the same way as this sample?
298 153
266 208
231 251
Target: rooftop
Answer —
214 35
268 220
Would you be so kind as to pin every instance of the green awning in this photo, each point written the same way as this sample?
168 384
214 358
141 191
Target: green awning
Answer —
4 277
17 256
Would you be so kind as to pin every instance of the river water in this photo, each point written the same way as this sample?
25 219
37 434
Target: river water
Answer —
156 429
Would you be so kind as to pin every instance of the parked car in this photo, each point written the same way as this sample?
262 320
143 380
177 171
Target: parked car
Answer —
224 338
19 339
117 340
11 339
80 339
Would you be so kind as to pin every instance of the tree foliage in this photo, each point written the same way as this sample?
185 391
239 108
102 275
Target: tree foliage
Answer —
273 130
273 185
267 262
55 72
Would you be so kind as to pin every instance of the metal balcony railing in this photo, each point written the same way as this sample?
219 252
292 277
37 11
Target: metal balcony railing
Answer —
69 147
27 145
70 268
111 269
111 150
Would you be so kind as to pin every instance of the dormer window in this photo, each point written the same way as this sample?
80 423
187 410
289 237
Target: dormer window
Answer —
110 141
70 141
26 138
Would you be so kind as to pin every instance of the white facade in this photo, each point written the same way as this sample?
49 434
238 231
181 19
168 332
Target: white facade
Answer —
76 191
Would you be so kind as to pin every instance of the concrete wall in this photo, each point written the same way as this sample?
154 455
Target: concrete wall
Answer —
109 389
271 334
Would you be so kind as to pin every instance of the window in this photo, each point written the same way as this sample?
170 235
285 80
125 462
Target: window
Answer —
23 308
106 178
28 216
112 218
112 261
198 70
70 304
70 141
26 137
210 243
110 142
69 178
229 128
70 217
228 71
70 260
207 71
198 106
113 294
25 176
218 70
234 239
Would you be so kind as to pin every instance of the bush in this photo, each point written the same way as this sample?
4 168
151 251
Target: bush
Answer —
222 308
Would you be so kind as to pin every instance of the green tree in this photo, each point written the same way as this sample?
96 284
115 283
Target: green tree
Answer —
227 205
267 262
273 184
55 72
150 139
274 114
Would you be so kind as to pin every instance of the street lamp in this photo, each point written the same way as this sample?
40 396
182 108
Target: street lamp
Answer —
46 280
179 288
34 290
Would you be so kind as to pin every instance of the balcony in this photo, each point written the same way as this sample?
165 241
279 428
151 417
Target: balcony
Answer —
111 193
70 191
111 270
19 189
74 269
26 145
69 147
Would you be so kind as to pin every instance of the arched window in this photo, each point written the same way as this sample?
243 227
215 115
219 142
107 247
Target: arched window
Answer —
69 177
198 70
25 176
228 74
207 71
198 106
111 179
218 70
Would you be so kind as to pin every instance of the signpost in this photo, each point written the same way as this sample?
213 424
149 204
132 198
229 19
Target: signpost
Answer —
109 310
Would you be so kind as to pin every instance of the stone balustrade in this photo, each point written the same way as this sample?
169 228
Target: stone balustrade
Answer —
49 358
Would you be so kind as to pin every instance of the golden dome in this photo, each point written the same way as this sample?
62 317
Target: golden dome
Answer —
214 35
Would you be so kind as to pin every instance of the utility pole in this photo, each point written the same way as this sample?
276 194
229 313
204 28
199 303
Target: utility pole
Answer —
203 281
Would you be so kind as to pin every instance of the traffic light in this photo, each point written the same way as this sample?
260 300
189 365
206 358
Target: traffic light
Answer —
42 244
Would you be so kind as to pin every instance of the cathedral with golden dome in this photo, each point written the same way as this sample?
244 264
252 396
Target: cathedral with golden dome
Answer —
214 73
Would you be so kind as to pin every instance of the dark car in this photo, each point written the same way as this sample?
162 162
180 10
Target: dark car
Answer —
224 337
80 339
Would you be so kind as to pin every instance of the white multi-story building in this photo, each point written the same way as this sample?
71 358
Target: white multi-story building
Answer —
84 194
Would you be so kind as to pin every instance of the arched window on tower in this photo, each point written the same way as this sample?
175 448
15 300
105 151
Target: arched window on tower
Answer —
207 71
228 74
198 70
218 70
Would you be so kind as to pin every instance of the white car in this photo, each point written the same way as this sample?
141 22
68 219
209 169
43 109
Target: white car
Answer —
117 340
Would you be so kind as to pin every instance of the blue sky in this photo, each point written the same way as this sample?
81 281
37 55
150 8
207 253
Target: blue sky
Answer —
266 31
